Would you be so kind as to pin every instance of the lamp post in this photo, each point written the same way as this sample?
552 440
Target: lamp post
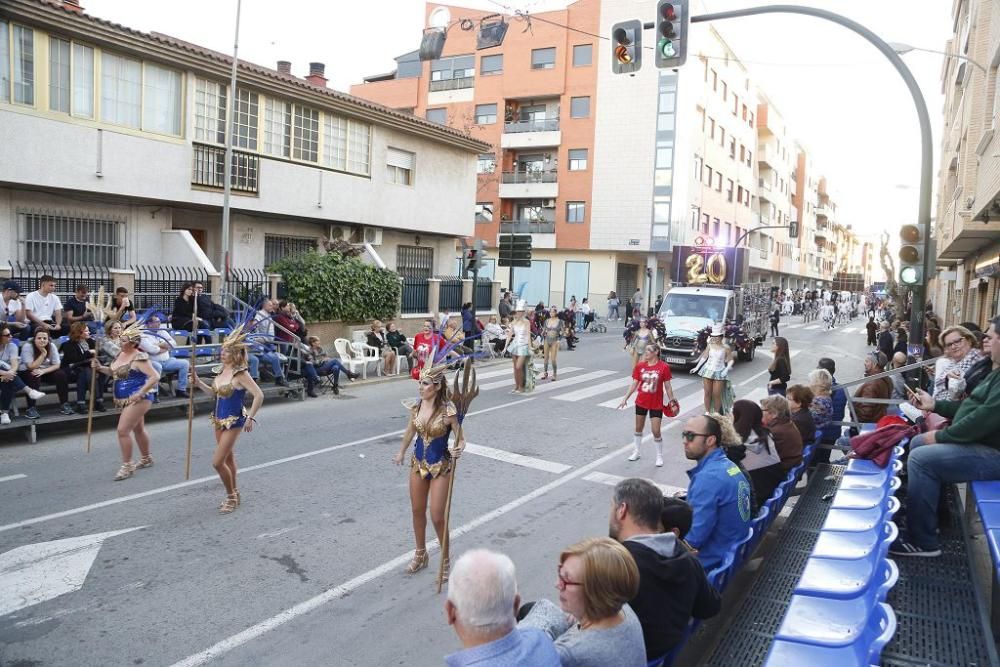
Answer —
903 49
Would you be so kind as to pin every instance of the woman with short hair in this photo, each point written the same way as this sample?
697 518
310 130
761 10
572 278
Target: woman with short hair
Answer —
821 407
800 398
961 353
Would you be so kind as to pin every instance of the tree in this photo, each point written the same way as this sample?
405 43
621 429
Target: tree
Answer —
892 288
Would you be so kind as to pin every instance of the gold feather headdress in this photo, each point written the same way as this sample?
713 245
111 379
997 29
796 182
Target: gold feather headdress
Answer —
237 339
133 332
100 305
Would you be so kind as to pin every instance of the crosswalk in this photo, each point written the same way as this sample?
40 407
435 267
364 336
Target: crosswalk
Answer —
806 326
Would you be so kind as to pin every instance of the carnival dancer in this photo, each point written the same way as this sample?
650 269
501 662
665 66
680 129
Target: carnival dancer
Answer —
652 378
519 344
713 367
230 386
432 420
637 336
135 382
551 333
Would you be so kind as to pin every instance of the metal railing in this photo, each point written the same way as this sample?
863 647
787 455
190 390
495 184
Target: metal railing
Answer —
450 295
67 278
208 168
452 84
536 125
159 286
851 400
415 296
251 285
528 227
243 311
483 294
529 176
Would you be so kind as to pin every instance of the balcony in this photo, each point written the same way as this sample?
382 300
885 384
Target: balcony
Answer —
764 190
824 211
820 236
529 185
449 91
208 169
451 84
540 133
767 156
527 227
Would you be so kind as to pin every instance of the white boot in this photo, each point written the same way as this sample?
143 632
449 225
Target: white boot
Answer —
659 453
637 440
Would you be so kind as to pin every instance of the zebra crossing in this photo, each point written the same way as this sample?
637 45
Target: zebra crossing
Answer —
805 326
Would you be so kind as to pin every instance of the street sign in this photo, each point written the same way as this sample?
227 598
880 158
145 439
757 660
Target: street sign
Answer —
515 250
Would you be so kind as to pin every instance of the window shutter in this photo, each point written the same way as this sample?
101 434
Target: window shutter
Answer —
401 159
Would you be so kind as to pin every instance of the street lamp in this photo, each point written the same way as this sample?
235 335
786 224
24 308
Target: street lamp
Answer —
903 49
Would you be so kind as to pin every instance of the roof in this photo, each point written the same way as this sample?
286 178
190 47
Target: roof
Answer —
53 13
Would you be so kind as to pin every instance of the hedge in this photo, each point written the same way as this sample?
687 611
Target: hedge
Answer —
334 287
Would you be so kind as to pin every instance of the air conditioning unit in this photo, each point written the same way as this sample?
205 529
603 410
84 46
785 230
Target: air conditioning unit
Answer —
338 233
550 203
372 235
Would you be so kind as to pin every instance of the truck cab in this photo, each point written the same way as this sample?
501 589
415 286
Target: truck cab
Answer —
686 311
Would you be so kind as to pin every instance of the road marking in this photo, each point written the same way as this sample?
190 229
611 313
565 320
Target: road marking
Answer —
509 380
587 392
576 379
813 326
611 480
753 377
253 632
278 532
215 478
768 353
792 326
508 371
34 573
10 478
516 459
849 330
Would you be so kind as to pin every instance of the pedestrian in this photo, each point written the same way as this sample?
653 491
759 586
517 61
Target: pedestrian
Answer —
613 304
519 346
637 300
713 366
552 329
774 319
637 336
652 378
780 369
872 330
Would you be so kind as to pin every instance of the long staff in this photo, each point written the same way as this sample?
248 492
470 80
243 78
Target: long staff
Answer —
90 408
194 360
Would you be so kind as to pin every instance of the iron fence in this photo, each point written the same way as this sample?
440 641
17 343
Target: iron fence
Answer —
414 295
531 176
209 164
67 278
249 285
537 125
483 294
159 286
451 293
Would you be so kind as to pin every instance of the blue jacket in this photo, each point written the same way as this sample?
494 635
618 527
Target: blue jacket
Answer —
719 494
468 321
839 400
523 646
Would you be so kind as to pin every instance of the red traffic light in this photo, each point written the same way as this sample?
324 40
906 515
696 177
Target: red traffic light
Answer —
669 13
909 233
623 55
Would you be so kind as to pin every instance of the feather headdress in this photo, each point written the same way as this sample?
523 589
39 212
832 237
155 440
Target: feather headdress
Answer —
133 331
100 304
237 339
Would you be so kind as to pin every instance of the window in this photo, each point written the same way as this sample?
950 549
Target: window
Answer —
744 115
486 114
736 104
711 127
83 81
121 90
65 239
210 112
743 153
277 126
715 80
725 91
359 146
718 181
4 62
399 166
739 193
245 120
664 155
23 61
577 280
486 164
277 247
579 107
722 136
751 119
729 189
732 148
749 158
161 100
457 67
305 141
708 176
575 211
59 75
577 159
583 55
484 212
409 66
489 65
543 58
439 116
414 261
346 144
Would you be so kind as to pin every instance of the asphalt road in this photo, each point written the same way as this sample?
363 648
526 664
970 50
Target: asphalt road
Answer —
308 571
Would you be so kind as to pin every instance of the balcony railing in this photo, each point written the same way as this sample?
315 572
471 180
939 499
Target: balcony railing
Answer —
208 169
452 84
539 125
763 184
528 227
529 177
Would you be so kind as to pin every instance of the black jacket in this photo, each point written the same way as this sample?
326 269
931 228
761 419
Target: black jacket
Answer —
673 588
886 344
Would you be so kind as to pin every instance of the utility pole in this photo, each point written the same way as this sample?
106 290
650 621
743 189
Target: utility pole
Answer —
228 167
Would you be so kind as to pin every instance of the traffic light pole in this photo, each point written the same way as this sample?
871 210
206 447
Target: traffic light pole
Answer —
924 210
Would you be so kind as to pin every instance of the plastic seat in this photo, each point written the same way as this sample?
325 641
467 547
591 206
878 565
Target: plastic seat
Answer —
990 514
858 499
839 578
742 549
759 526
986 492
719 576
854 545
865 651
858 520
865 467
889 484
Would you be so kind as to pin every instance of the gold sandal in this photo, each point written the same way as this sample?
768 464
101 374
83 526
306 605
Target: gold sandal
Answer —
145 462
229 504
238 500
419 562
125 471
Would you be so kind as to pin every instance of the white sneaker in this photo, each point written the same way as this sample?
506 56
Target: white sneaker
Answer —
4 418
659 462
34 394
634 456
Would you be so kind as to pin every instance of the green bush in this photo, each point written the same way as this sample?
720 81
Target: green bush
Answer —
334 287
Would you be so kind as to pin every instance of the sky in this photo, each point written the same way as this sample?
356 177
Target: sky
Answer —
839 96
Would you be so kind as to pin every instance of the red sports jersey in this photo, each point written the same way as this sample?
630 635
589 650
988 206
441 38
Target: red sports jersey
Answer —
423 345
651 378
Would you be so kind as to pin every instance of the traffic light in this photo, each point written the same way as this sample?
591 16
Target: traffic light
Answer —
671 33
793 229
515 250
626 47
911 254
474 258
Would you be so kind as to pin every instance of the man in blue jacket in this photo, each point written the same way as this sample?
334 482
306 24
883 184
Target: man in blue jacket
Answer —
719 493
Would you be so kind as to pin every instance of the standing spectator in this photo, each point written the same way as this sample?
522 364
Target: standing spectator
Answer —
397 340
870 413
376 337
774 319
425 346
40 359
75 309
289 329
121 307
757 452
778 420
482 606
588 313
43 309
838 403
872 330
659 302
505 307
13 310
75 357
10 383
961 353
637 301
673 587
718 493
800 398
157 342
613 304
469 328
780 369
902 340
932 343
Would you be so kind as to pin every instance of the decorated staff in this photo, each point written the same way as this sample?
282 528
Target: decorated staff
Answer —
194 362
97 305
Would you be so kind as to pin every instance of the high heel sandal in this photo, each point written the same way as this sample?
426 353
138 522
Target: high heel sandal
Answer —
419 562
236 492
145 462
231 502
125 471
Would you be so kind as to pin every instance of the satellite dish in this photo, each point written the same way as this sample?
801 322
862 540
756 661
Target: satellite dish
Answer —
439 18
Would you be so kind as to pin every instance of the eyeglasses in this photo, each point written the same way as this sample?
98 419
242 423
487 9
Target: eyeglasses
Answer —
954 343
563 582
5 334
689 436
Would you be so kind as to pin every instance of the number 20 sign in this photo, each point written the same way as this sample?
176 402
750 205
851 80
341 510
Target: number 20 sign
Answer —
702 265
703 269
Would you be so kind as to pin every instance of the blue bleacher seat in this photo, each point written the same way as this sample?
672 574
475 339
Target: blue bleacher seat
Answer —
851 545
759 526
986 492
743 549
861 653
865 467
858 520
719 576
839 578
989 512
858 499
870 482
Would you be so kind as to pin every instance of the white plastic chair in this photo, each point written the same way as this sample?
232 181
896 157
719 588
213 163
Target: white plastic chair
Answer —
369 354
349 358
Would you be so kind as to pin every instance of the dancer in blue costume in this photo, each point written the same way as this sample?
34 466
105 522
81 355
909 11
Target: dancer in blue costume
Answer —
135 382
231 384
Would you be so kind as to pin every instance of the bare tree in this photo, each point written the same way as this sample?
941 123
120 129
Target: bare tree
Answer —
892 289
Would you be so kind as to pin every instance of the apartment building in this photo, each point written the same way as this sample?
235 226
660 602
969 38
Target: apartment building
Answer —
112 155
967 226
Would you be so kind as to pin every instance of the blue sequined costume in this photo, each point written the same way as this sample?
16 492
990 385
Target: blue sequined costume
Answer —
430 453
129 380
229 411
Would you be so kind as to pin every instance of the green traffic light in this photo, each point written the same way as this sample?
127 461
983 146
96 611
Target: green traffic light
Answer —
909 275
667 48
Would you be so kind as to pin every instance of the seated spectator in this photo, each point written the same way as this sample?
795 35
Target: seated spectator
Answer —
798 403
182 317
262 344
482 606
43 309
13 310
898 381
760 457
719 496
40 360
778 420
121 307
10 383
317 363
869 413
824 408
75 357
157 342
966 450
397 341
376 337
494 334
216 315
961 352
596 579
453 336
109 347
673 587
289 327
75 309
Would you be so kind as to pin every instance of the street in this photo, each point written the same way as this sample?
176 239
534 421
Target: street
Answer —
309 570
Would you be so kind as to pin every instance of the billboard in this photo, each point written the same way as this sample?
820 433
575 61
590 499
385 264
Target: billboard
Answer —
708 265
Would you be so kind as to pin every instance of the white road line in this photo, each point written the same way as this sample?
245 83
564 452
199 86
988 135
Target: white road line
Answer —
215 478
611 480
346 588
278 532
576 379
516 459
508 381
768 353
753 377
849 330
676 383
508 371
813 326
792 326
587 392
10 478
